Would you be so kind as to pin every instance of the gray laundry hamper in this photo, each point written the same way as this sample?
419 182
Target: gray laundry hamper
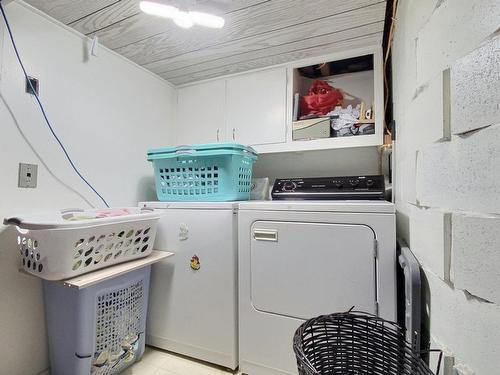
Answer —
99 329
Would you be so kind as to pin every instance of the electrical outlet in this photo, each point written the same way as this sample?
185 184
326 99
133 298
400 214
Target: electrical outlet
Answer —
28 174
34 83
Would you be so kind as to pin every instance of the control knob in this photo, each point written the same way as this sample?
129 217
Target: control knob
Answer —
289 186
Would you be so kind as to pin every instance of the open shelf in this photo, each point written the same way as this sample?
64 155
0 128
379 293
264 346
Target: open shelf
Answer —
352 81
358 74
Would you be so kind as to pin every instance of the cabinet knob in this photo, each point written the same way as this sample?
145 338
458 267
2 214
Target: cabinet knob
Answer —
218 131
234 138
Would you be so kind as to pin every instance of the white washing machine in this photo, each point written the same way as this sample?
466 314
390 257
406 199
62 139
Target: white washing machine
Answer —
301 259
193 295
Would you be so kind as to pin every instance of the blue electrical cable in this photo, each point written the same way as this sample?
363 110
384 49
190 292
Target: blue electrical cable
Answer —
43 110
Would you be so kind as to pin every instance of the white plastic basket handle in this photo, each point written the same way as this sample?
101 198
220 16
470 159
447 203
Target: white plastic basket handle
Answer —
69 210
17 221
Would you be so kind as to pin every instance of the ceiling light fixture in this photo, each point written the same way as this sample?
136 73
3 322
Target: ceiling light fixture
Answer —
156 9
207 20
182 18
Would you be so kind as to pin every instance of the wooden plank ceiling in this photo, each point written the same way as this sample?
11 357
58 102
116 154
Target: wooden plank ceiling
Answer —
257 33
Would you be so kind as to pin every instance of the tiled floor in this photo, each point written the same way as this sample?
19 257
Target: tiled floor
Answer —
159 362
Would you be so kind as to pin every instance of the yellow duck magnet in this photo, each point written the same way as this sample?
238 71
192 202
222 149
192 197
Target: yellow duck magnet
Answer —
195 263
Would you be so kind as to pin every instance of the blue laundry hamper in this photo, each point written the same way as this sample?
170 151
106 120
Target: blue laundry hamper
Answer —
98 330
205 172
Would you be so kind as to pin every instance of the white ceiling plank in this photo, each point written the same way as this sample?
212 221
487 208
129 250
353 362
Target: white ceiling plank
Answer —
257 33
324 26
279 49
246 22
67 11
107 16
124 9
221 6
235 5
280 58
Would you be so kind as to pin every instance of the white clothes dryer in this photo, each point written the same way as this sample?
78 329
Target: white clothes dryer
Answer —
301 259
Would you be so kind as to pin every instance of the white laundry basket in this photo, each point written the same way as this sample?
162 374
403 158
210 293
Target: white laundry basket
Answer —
62 245
97 330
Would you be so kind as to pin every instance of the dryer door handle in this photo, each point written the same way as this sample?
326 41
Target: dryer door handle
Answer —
265 234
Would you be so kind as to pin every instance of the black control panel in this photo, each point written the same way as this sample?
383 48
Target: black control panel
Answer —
316 188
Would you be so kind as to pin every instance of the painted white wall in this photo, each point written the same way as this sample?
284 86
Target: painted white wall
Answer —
323 163
446 78
107 111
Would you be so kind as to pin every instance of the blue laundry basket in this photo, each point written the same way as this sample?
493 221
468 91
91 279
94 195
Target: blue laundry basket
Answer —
97 330
206 172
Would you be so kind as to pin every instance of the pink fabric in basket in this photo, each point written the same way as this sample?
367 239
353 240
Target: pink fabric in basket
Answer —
112 212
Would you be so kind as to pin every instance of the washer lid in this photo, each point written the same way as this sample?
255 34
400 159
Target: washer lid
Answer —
321 206
191 205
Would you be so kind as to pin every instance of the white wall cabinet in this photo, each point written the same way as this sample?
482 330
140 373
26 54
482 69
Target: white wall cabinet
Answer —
201 113
248 109
256 107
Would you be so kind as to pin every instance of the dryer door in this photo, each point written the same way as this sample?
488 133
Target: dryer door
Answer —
302 270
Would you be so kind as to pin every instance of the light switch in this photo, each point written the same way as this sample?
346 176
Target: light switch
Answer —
28 174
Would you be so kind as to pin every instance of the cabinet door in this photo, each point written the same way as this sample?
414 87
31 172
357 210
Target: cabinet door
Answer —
201 113
256 107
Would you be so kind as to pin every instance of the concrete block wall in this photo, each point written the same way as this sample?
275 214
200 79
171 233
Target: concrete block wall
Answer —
461 174
476 248
446 86
471 77
430 232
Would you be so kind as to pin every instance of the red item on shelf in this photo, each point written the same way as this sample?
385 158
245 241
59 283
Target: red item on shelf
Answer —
322 99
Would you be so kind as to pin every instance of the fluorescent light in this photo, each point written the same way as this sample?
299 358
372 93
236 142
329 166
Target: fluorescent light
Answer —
156 9
181 18
208 20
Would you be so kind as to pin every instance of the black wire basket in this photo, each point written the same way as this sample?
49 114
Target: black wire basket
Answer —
355 343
